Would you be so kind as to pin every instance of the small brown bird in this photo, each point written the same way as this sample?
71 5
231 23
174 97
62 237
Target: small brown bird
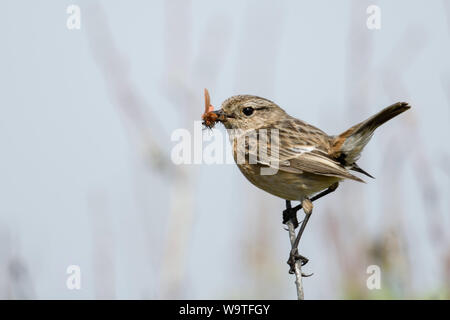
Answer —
308 160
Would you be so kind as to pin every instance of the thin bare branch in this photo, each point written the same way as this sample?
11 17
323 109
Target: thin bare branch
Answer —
298 263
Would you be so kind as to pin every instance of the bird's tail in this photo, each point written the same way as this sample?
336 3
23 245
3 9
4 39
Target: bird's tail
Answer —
348 145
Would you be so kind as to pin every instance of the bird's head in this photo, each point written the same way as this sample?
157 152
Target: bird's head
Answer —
248 112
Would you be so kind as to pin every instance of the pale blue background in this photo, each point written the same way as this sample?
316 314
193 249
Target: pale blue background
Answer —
78 185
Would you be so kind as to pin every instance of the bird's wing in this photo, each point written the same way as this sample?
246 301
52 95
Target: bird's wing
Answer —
304 148
316 163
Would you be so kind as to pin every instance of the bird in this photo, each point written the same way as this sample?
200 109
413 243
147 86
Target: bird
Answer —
308 164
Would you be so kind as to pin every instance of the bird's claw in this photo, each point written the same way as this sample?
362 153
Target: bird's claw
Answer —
294 256
290 214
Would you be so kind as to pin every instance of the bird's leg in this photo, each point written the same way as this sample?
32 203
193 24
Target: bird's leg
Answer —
294 255
329 190
290 214
307 206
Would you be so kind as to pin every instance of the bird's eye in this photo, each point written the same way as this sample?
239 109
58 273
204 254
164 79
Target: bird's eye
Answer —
248 111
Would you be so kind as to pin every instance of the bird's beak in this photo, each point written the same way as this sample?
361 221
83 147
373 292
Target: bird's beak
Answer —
221 115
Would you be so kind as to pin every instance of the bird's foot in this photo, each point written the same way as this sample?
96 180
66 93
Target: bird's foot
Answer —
290 214
294 256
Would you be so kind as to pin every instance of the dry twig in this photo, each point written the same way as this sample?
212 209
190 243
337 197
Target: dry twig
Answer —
298 263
